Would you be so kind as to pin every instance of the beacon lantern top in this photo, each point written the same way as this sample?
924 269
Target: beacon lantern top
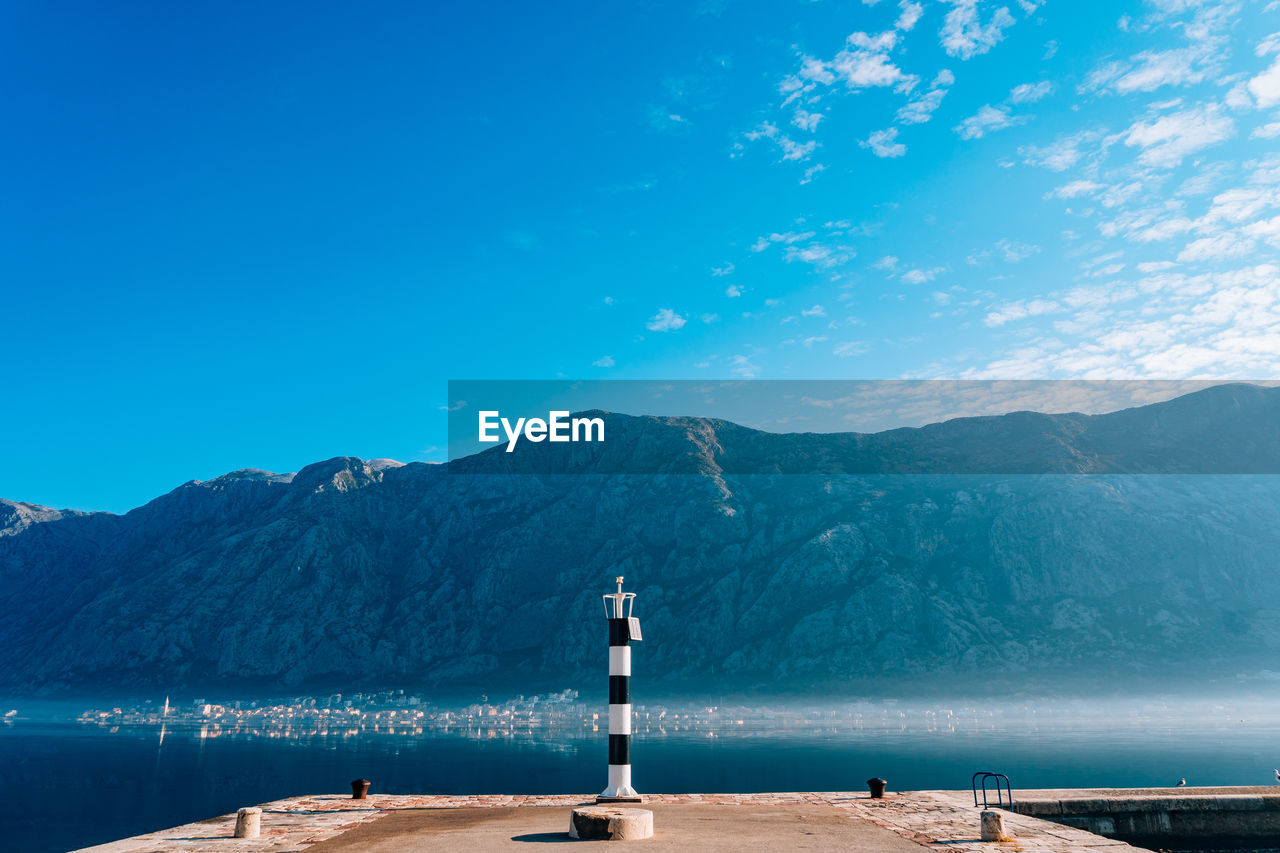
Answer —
617 605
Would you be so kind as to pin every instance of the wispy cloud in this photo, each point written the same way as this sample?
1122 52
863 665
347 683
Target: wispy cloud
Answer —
921 275
985 120
789 148
883 143
784 237
1061 154
1029 93
742 365
666 320
964 32
1165 140
850 349
990 118
922 107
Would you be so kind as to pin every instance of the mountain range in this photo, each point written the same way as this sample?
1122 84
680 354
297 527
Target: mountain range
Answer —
1018 550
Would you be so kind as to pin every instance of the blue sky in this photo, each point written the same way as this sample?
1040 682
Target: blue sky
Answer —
245 237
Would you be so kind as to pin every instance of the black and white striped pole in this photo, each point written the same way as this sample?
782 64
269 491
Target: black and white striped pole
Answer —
623 628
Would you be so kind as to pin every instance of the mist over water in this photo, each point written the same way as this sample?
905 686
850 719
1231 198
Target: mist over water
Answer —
72 785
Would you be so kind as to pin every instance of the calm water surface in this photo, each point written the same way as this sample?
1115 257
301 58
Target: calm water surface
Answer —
69 785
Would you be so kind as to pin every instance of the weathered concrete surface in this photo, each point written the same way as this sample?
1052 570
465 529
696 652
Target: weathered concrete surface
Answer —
899 823
286 826
948 819
1162 815
679 827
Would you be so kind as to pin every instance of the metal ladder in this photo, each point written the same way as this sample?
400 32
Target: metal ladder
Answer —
985 776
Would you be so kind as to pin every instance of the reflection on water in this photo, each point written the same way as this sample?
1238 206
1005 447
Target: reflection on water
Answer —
71 784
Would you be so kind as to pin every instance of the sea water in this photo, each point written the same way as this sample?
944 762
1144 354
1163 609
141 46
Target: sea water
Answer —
70 785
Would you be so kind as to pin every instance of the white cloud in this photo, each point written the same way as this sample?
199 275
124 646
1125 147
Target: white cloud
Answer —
921 108
1013 251
806 120
1240 203
786 238
1149 224
1267 230
733 291
815 311
1237 97
1120 194
1150 70
1074 189
1029 93
964 34
1218 247
1207 325
1268 45
985 120
811 171
1021 310
742 366
1062 153
1265 88
882 144
920 276
665 320
888 262
1266 131
909 15
1169 138
851 348
603 361
791 150
727 269
863 63
819 255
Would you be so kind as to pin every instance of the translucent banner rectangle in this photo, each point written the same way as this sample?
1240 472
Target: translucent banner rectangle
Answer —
938 427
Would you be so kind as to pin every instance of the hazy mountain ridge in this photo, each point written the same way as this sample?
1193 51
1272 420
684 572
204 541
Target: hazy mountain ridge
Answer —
353 572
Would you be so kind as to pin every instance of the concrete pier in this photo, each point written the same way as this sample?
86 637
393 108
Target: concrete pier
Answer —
902 822
1164 817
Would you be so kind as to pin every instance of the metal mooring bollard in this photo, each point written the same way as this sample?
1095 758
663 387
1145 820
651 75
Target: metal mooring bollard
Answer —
993 827
249 823
360 789
877 787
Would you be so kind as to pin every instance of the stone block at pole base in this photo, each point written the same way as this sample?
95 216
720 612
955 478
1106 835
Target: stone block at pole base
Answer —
993 827
602 823
249 823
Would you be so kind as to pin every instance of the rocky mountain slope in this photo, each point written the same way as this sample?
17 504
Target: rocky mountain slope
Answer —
899 571
16 516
